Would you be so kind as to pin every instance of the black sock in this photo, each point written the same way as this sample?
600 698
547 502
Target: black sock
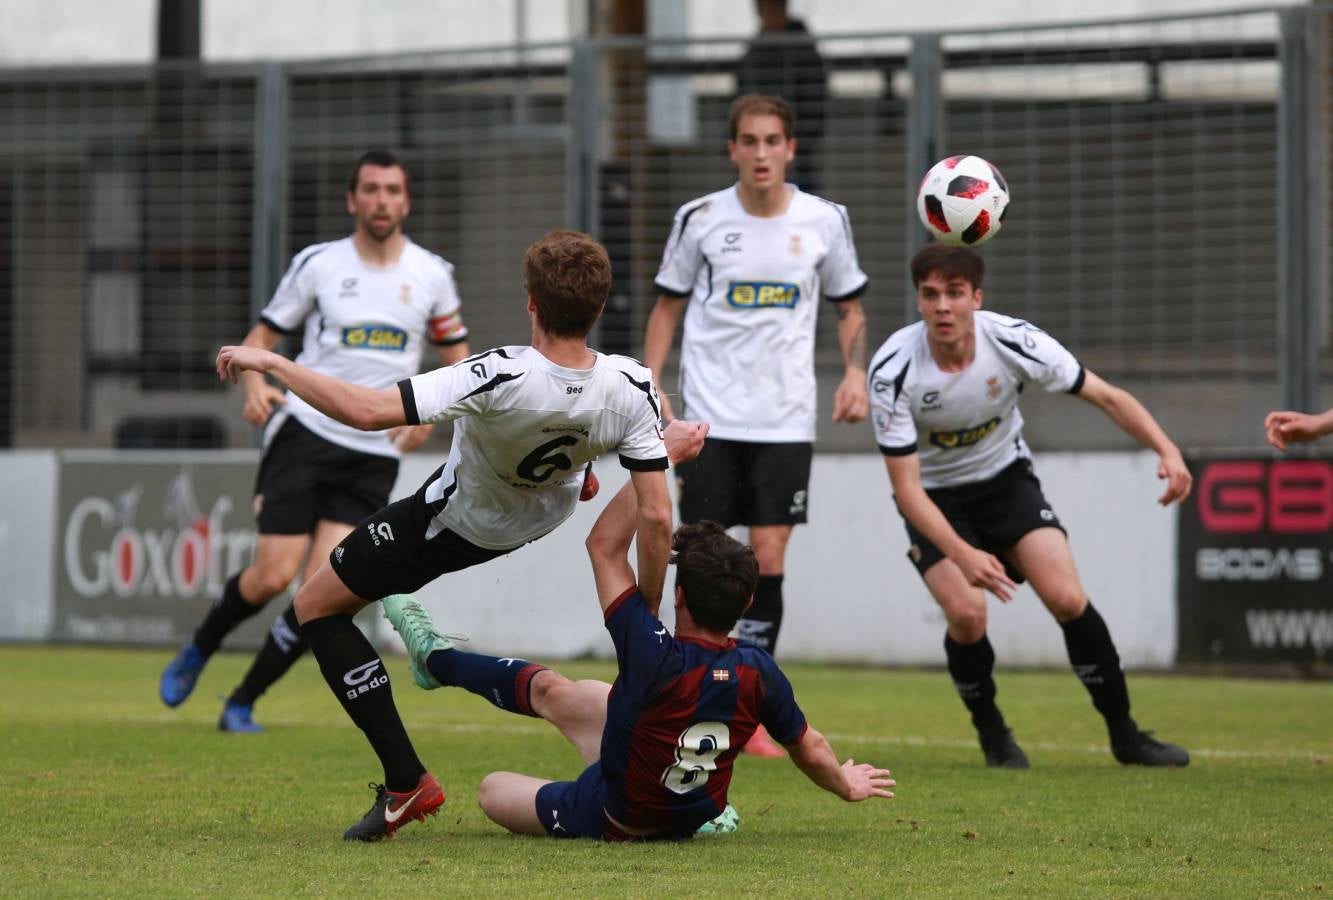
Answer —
970 667
283 646
1096 663
762 620
506 681
229 611
356 675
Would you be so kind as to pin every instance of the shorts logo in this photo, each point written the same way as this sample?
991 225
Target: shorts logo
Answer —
762 294
338 554
382 530
363 679
915 552
964 437
375 337
1047 515
754 631
797 503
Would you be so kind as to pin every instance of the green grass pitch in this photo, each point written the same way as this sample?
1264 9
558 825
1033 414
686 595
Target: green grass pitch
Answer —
108 793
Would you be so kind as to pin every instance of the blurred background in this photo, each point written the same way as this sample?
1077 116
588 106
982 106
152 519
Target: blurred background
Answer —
161 161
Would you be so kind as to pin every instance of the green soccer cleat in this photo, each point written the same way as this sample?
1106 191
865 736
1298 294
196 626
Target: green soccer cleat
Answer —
413 624
726 823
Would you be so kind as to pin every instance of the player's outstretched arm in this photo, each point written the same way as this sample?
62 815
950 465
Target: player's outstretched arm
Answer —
657 340
1284 427
1124 409
980 568
352 404
851 400
851 781
261 398
608 542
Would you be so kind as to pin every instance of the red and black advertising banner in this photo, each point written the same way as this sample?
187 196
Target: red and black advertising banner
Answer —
1255 553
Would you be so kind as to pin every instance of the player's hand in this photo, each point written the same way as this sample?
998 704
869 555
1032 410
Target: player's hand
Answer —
865 781
983 570
684 440
1178 479
261 400
232 361
851 401
590 486
1283 428
409 437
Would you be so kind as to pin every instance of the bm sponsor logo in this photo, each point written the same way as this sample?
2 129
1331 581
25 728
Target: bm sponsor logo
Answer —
964 437
375 337
755 294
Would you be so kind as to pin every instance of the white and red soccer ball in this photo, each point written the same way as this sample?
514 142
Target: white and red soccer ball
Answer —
962 200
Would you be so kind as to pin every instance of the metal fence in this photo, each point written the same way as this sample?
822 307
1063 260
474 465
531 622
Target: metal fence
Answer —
1169 220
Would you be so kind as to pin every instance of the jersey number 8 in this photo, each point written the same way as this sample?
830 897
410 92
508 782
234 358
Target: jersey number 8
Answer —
697 750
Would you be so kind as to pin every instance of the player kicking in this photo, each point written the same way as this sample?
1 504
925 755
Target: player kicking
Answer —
756 262
944 394
660 741
367 303
529 420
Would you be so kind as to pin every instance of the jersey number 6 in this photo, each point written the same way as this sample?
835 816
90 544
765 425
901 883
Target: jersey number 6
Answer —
548 455
697 750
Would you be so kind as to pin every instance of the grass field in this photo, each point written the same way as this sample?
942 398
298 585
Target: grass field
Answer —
108 793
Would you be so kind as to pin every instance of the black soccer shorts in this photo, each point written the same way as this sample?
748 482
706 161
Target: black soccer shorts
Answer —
991 515
304 478
744 483
388 552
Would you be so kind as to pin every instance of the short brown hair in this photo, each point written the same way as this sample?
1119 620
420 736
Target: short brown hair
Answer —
385 159
760 105
950 262
568 276
716 572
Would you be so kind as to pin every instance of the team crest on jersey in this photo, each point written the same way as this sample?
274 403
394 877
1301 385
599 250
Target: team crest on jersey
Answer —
375 337
992 387
758 294
964 437
405 293
794 245
721 675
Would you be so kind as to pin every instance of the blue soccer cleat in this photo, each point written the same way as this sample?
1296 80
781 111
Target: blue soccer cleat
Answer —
236 717
727 822
181 674
414 626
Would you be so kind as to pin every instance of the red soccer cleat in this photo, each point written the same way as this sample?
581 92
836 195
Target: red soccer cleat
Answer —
760 744
393 810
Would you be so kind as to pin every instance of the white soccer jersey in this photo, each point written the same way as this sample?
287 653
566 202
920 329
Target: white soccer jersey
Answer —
966 425
364 324
747 355
526 429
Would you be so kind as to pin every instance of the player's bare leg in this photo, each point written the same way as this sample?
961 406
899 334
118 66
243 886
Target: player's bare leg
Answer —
577 708
277 557
971 662
1043 556
357 676
763 620
510 801
283 645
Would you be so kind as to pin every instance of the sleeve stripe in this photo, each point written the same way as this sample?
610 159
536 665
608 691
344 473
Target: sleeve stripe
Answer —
670 291
1078 382
275 326
850 295
898 451
450 341
645 465
409 401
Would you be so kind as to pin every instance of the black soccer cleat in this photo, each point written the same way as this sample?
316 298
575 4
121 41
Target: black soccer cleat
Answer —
392 810
1145 750
1002 751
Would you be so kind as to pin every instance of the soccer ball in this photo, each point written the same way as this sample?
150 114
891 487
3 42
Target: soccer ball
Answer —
962 200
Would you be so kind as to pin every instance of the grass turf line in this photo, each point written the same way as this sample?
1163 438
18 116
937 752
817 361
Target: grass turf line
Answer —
110 794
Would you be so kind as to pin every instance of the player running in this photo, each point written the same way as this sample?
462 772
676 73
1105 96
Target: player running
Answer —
756 261
529 420
944 394
661 741
368 304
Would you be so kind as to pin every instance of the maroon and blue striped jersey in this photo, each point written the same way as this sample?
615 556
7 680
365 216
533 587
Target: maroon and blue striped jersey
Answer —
679 712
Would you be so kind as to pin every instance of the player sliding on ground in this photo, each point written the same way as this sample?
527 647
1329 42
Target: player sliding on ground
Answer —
661 741
944 395
528 420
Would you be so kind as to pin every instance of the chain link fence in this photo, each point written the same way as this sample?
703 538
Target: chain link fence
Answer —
148 212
